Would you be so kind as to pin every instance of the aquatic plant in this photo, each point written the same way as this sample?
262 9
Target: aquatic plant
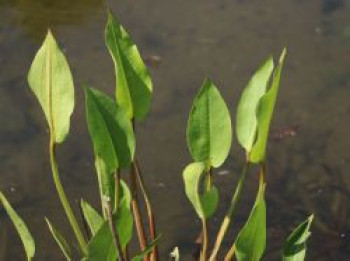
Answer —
111 123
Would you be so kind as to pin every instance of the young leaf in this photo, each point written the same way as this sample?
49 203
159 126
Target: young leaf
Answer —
61 242
133 81
204 205
209 130
92 217
251 240
246 122
264 114
295 247
26 237
51 81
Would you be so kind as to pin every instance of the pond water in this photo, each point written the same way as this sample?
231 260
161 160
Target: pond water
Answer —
224 40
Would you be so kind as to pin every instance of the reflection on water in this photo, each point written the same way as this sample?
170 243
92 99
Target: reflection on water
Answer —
224 40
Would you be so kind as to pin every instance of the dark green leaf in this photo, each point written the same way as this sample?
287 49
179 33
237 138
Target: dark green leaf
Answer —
251 240
51 81
246 122
26 237
133 81
295 247
264 115
209 130
112 136
210 201
61 242
92 217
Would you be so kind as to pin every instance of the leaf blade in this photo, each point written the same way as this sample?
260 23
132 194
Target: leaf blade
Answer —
22 230
61 242
209 131
251 240
51 81
133 81
265 113
246 122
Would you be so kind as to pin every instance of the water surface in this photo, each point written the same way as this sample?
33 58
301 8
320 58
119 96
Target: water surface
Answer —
224 40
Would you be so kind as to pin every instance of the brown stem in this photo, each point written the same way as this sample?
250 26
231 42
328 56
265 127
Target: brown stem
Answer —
150 213
136 211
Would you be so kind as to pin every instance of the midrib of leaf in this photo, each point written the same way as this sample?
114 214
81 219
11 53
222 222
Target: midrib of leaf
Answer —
209 126
49 86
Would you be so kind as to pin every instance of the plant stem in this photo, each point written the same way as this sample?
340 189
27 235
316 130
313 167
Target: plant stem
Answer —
150 213
63 197
136 211
230 213
205 242
114 231
230 254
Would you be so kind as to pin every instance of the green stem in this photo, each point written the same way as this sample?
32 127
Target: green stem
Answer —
205 240
230 213
65 203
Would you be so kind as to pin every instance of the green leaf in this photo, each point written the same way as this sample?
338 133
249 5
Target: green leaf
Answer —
209 130
112 136
51 81
133 81
246 122
61 242
295 247
101 246
206 204
210 201
92 217
26 237
251 240
264 115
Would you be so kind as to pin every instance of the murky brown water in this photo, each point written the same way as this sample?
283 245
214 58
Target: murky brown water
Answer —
225 40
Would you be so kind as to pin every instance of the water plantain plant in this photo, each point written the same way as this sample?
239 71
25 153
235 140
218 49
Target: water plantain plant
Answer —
111 122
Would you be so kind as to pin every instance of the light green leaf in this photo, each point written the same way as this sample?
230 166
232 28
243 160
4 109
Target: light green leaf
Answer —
124 223
206 204
112 136
133 81
51 81
92 217
264 115
295 247
209 130
210 201
246 122
251 240
61 242
26 237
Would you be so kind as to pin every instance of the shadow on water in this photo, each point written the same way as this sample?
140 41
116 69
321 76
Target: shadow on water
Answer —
309 151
